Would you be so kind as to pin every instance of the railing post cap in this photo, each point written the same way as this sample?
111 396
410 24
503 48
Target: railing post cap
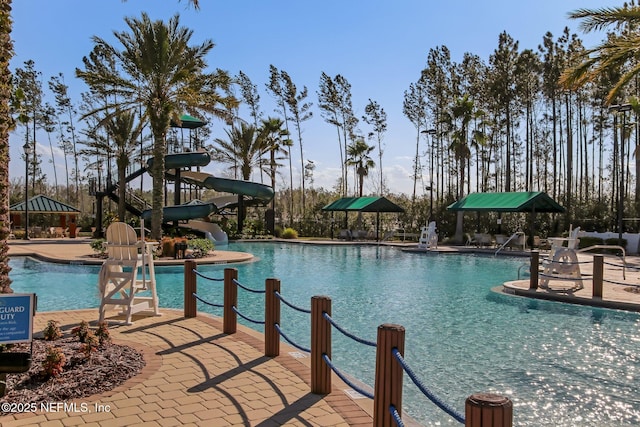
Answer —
488 399
320 297
391 327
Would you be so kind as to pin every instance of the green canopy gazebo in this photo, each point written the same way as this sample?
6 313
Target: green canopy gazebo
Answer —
518 201
43 205
363 204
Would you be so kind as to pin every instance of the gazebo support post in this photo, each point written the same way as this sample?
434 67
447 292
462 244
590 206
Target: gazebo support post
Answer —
533 227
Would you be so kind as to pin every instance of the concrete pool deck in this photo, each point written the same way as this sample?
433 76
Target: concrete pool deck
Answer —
197 375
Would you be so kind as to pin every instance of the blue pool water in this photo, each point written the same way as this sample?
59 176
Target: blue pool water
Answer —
561 365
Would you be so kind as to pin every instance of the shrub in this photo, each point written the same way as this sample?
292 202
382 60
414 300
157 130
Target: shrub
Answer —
98 246
81 331
52 331
201 247
587 241
91 343
103 333
615 241
289 233
54 361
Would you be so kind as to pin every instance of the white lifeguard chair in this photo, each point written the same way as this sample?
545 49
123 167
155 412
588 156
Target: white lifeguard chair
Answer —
562 264
127 279
428 237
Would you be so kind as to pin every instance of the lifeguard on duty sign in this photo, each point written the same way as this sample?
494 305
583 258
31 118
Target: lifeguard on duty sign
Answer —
16 318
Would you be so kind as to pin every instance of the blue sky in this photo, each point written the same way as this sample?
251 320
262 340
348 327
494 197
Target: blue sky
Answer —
379 46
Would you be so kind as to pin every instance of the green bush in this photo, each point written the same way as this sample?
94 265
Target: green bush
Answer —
98 246
289 233
617 242
587 241
200 247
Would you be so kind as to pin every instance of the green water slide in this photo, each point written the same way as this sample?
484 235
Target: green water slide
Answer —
255 191
258 191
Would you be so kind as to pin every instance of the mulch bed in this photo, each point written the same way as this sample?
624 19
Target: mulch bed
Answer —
106 368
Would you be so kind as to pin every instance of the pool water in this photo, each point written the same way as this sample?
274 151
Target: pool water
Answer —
561 365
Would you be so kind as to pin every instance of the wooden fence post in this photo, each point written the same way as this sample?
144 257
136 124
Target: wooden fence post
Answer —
598 275
488 410
190 288
388 382
271 316
230 318
320 344
533 270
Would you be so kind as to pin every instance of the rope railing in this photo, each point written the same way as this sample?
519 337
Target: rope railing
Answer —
207 302
631 285
561 278
255 291
295 307
632 267
563 262
346 333
257 322
389 346
396 416
290 341
597 276
345 379
215 279
430 395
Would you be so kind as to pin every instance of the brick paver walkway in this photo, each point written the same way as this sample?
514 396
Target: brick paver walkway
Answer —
197 375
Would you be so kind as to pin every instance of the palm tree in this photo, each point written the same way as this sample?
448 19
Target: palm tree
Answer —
121 141
617 52
461 115
275 138
243 149
6 125
358 156
158 69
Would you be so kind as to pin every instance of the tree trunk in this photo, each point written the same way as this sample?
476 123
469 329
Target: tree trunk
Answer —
157 172
122 189
6 50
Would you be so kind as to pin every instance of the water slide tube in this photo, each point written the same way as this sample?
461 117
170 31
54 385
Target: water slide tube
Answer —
211 230
256 190
191 211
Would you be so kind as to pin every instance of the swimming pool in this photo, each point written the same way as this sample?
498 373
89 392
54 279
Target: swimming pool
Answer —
561 365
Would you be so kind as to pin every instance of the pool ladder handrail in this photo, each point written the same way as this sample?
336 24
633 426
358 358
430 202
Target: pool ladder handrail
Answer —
528 265
513 236
624 255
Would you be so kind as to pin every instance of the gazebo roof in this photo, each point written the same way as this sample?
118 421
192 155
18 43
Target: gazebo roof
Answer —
44 204
188 122
518 201
363 204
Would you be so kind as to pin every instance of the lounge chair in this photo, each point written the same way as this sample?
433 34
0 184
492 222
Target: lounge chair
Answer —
483 239
119 282
501 239
345 235
470 240
360 235
517 241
